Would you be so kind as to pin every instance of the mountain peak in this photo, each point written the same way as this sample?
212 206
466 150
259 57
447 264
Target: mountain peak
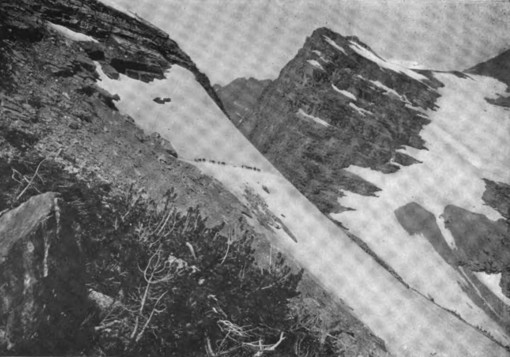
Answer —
497 67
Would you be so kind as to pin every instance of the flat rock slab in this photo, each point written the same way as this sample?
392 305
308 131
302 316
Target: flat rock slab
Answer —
24 220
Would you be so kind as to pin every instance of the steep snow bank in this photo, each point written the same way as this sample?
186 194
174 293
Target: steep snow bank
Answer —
463 148
334 44
192 122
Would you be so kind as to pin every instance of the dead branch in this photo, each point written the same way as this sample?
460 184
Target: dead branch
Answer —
264 348
191 249
31 180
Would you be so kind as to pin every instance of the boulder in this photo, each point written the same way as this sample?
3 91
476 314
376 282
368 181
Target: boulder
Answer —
160 100
42 283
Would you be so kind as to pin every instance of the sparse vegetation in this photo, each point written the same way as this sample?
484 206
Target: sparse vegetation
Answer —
177 287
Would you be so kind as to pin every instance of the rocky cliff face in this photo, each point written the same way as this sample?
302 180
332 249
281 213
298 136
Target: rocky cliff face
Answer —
331 107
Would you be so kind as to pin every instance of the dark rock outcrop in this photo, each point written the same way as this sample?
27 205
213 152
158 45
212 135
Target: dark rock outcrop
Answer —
160 100
417 220
42 282
367 113
469 255
497 195
482 244
241 96
497 67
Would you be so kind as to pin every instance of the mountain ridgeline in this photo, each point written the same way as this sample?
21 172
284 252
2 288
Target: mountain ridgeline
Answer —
369 114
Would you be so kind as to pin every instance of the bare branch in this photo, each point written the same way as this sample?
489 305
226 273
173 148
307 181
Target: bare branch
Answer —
154 310
192 250
31 180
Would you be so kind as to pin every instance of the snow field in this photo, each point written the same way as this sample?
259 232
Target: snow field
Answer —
461 152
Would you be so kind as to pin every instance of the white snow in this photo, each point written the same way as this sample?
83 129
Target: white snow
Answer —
344 92
318 120
409 324
492 282
464 146
447 235
320 55
360 110
333 43
385 88
316 64
70 34
382 63
192 122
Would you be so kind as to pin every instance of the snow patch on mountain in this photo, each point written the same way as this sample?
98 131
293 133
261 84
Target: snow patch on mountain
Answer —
318 120
385 88
344 92
360 110
316 64
462 150
492 282
333 43
321 56
384 64
70 34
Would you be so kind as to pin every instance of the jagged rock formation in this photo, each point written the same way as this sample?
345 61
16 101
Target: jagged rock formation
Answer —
497 67
331 107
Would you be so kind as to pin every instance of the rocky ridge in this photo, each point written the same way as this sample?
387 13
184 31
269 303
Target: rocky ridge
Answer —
367 112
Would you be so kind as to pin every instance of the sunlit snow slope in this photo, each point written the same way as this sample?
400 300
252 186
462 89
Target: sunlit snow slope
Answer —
410 324
464 141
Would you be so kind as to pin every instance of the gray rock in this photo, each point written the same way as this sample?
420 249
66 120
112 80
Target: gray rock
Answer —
42 286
